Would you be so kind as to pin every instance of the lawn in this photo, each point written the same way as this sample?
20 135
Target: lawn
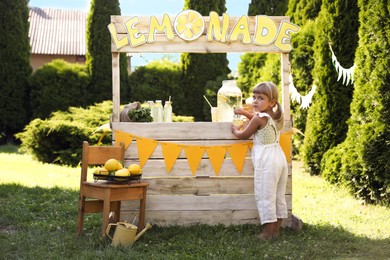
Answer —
38 215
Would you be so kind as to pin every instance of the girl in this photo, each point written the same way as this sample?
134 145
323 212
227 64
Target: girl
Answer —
269 161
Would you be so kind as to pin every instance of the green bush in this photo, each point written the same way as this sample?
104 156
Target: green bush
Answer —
58 85
58 140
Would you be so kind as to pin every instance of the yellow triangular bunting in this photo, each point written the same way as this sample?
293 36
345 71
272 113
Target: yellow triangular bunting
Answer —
194 155
238 153
216 157
285 143
145 149
250 145
170 153
123 137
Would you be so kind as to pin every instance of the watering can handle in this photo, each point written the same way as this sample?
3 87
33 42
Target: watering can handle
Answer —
109 228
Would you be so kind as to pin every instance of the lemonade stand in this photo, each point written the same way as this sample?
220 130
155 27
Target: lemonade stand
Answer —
197 172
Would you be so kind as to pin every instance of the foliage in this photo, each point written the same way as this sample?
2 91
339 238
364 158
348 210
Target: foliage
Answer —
301 11
326 124
58 139
99 58
248 69
365 167
15 69
141 114
198 69
55 85
158 80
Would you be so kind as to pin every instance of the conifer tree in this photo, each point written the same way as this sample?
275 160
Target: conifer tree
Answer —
327 117
99 59
15 67
198 69
362 160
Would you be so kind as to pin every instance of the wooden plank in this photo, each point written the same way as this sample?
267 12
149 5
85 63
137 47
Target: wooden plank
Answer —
201 45
199 203
156 168
115 87
200 131
210 217
178 131
203 186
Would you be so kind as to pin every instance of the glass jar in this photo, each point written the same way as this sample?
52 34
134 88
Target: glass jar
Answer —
229 97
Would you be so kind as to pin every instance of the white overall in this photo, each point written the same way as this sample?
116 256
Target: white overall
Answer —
270 173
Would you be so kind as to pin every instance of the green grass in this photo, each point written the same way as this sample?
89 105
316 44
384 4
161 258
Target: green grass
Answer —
38 215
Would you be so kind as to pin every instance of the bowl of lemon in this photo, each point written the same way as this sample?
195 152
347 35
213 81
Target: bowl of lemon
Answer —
113 170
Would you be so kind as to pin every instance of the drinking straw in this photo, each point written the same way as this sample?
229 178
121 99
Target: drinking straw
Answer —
207 101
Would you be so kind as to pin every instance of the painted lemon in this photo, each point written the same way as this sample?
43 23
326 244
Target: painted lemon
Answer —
111 165
135 169
189 25
122 172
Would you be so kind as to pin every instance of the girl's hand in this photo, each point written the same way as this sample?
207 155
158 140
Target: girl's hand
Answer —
239 111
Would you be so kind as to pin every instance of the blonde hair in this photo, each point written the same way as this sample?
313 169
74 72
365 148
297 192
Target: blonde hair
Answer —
270 90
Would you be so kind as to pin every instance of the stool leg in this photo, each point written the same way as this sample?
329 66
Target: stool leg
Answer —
80 216
142 206
106 210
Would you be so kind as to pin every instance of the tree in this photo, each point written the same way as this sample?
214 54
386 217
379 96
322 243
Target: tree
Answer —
15 69
198 69
99 59
364 163
326 124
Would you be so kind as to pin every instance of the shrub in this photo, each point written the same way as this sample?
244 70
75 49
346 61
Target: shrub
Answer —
58 140
55 85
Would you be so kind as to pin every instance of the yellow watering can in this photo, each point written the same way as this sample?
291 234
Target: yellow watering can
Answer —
125 233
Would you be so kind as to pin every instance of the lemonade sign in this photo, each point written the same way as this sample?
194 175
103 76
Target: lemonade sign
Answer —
189 26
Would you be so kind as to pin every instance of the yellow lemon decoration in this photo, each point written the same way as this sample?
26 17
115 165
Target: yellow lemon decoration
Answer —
135 169
111 165
124 172
189 25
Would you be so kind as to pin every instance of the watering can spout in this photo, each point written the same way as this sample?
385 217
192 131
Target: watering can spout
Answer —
148 226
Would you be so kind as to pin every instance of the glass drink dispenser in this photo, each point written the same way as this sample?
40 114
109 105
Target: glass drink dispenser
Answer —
229 97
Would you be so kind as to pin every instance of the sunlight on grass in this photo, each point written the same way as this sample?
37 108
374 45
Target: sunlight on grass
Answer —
22 169
317 202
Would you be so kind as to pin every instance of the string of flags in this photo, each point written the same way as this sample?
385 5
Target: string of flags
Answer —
346 74
194 153
305 101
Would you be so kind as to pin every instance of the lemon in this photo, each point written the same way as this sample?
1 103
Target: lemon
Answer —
122 172
111 165
120 165
189 25
135 169
101 171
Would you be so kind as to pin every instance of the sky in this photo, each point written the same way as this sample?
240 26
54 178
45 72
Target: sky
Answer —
148 8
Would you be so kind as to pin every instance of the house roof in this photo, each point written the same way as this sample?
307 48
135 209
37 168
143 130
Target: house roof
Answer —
57 32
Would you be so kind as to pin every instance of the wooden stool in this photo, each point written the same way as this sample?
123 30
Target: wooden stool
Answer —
106 197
